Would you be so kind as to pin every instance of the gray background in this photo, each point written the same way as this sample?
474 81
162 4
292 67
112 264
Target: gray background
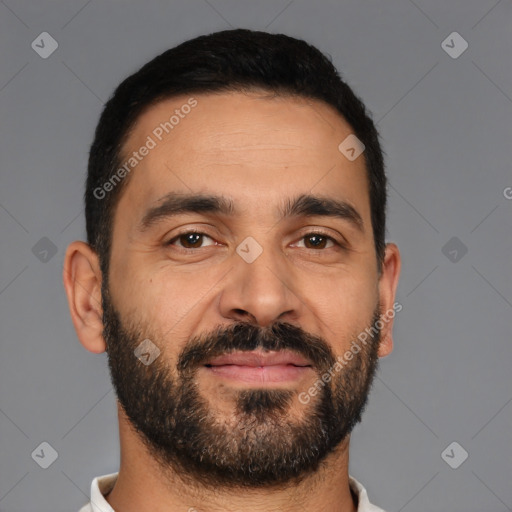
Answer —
446 129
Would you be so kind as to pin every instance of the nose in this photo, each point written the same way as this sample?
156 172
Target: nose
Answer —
261 292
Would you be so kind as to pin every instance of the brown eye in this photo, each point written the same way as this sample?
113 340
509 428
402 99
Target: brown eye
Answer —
191 240
317 241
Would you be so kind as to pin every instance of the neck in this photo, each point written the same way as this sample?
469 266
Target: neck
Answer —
142 485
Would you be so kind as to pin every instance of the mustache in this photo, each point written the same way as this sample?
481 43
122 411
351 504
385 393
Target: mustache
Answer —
243 336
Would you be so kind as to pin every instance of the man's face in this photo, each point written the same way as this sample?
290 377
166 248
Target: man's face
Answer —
258 278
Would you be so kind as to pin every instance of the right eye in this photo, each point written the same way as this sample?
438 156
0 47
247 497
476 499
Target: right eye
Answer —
190 240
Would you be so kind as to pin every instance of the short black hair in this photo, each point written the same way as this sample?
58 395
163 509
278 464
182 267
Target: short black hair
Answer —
229 60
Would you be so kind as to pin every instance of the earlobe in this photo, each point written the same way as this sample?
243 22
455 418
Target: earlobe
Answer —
385 345
82 281
388 283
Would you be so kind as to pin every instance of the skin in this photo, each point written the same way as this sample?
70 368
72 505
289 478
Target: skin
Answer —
258 151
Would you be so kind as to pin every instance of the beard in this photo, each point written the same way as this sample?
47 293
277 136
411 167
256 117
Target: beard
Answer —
261 444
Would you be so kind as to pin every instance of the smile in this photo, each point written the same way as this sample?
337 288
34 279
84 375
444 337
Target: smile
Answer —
259 367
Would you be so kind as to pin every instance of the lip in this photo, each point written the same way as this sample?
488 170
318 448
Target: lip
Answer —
259 367
259 375
257 359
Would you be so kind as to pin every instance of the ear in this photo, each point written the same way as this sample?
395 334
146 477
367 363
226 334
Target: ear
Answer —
82 282
388 283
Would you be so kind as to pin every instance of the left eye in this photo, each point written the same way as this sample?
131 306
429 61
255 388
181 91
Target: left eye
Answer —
190 240
317 241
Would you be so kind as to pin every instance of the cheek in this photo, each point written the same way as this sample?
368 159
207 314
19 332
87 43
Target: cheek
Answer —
347 309
172 302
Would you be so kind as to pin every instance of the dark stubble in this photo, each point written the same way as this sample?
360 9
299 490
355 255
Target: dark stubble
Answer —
260 445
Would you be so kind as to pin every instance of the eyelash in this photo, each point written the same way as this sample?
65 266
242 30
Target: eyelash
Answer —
311 233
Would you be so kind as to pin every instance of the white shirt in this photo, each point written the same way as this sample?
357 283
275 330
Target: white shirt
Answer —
102 485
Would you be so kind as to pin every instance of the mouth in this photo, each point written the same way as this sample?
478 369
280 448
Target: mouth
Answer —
259 367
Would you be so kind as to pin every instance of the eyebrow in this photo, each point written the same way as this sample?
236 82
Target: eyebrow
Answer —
305 205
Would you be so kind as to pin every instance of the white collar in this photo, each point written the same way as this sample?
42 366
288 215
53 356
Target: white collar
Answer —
102 485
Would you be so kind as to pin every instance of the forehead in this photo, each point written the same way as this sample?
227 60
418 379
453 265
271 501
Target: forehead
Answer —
251 145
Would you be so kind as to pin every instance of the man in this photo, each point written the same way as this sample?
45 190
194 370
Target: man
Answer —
237 276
